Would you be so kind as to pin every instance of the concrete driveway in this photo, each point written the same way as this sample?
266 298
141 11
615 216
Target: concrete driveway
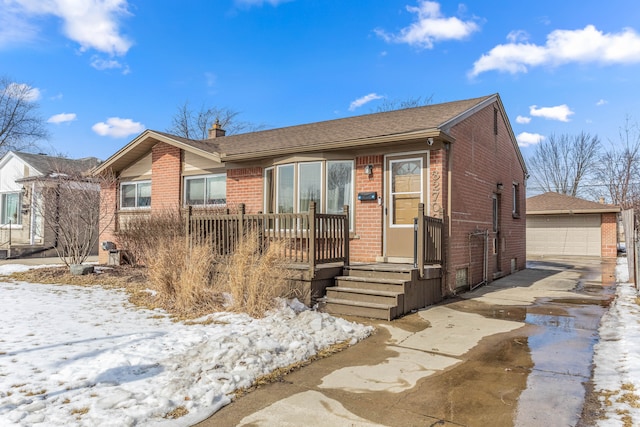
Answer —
515 352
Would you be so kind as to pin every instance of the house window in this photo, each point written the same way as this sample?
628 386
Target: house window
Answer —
495 121
11 208
206 190
290 188
135 195
496 213
516 200
339 186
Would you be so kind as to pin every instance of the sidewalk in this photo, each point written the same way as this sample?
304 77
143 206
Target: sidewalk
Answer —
514 352
42 261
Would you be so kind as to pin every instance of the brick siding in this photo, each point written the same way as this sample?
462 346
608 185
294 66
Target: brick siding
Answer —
608 229
166 177
368 214
245 185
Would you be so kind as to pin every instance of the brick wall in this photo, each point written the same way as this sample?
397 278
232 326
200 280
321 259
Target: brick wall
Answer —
166 177
245 185
108 206
481 160
368 215
608 229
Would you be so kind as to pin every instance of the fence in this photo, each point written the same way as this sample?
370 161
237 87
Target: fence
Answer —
312 238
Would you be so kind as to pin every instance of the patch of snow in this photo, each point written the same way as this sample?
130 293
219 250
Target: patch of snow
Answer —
85 356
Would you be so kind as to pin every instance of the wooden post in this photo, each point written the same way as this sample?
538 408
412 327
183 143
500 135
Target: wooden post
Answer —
312 238
421 239
347 224
187 227
240 225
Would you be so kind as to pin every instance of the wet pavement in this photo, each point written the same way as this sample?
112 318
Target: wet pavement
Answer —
516 352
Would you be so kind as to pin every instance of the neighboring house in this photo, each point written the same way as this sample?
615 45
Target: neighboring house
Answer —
558 224
22 179
460 159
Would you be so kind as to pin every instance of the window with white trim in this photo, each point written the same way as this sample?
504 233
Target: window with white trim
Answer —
205 190
135 194
11 208
291 187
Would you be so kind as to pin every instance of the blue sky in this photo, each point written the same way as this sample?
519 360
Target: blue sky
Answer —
104 70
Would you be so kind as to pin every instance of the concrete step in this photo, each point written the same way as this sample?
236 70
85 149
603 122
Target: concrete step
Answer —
360 309
366 295
373 283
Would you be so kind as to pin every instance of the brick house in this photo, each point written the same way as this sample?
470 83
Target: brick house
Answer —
558 224
459 159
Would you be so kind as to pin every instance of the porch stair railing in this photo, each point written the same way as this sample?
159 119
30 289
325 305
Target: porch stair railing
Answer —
428 240
313 238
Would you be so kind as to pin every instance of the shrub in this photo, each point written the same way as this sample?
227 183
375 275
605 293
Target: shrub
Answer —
183 278
254 276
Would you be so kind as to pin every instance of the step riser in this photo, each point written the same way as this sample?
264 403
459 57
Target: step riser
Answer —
378 274
373 286
349 310
377 299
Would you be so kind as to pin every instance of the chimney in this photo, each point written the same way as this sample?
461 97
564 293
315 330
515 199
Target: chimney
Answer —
216 130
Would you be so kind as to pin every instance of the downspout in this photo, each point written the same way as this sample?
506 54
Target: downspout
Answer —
32 213
449 151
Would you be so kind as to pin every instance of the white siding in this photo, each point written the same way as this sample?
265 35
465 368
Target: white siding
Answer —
139 170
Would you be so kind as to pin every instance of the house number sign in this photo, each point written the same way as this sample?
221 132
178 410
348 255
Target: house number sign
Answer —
436 190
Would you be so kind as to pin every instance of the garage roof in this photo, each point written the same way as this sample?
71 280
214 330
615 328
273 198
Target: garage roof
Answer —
555 203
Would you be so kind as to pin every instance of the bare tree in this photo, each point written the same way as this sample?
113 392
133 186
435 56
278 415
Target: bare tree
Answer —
192 124
69 205
619 168
398 104
563 163
20 125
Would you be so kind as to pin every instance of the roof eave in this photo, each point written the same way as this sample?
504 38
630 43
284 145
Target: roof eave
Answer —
335 145
148 135
574 211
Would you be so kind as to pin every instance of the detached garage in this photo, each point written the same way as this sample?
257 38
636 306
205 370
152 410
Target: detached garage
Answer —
563 225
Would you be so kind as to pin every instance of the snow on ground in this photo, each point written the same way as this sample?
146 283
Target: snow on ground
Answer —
617 355
85 356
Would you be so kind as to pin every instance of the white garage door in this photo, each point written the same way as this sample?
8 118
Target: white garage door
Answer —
563 235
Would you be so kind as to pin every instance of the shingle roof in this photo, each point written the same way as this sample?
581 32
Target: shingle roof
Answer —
389 123
550 203
47 165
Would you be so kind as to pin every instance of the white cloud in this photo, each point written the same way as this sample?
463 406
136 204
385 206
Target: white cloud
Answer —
363 100
116 127
93 24
105 64
602 102
14 27
62 118
526 139
523 120
559 112
563 46
518 36
22 91
430 26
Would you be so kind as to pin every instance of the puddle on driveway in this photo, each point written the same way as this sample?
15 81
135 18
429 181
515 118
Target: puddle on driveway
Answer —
561 348
533 376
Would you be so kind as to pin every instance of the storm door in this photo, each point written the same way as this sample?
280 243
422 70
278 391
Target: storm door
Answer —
405 188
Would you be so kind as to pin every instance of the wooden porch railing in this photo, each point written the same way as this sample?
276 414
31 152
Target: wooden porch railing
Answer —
428 233
313 238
